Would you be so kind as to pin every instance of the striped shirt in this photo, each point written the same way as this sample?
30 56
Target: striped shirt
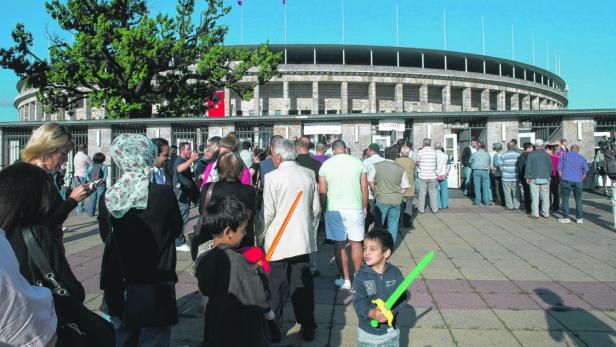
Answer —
573 167
508 162
426 163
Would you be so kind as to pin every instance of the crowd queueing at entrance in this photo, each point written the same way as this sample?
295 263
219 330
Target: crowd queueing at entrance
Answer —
243 265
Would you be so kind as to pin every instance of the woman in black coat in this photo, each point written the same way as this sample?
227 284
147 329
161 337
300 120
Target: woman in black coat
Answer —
229 168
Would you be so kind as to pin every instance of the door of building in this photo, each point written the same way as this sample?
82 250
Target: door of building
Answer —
451 149
382 140
525 137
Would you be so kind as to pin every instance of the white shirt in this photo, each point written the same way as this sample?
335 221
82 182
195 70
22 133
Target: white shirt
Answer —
27 315
441 163
159 176
81 163
369 168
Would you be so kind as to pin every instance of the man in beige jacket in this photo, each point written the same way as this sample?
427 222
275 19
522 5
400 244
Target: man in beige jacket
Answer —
290 262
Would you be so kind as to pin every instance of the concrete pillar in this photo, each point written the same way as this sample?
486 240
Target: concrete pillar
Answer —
543 104
219 129
427 128
485 100
501 101
285 96
315 97
399 97
446 98
256 101
580 131
514 101
535 102
423 97
344 98
227 92
372 97
356 135
466 99
289 131
501 130
159 130
36 105
87 108
526 102
99 140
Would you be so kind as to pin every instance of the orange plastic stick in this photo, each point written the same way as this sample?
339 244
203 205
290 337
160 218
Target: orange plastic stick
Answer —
271 249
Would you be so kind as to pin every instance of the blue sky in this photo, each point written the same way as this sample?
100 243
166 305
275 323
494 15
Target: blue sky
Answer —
582 33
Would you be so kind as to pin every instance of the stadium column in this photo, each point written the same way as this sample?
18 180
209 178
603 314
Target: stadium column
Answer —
227 102
526 102
501 130
466 99
514 101
446 98
372 97
428 128
256 101
543 104
423 97
501 101
485 100
344 97
285 96
357 142
399 95
87 109
315 97
534 102
290 131
580 130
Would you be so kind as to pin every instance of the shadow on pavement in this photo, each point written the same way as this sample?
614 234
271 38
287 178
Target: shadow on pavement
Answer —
601 331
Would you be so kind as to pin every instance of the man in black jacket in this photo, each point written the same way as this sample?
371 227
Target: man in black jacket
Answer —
521 168
465 158
184 185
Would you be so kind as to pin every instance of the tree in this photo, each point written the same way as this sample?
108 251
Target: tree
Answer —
126 61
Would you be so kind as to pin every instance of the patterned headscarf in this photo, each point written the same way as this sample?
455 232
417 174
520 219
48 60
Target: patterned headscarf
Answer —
134 155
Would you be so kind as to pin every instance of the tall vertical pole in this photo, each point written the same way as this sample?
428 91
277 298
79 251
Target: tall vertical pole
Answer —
445 29
284 4
547 55
533 42
483 36
342 10
512 44
397 26
242 24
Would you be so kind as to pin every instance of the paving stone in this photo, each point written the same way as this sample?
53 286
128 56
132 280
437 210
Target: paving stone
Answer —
585 321
426 337
459 301
597 338
470 337
510 301
529 320
471 319
547 338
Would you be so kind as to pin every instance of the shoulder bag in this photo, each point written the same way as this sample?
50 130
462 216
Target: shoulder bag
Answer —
77 325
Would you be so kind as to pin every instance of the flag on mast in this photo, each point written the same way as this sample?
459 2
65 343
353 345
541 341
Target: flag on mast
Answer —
239 2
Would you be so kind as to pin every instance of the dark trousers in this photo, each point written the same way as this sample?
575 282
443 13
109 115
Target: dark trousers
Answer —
374 216
527 198
292 277
496 186
555 193
576 187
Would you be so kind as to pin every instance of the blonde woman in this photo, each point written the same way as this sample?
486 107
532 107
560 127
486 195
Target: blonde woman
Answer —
48 148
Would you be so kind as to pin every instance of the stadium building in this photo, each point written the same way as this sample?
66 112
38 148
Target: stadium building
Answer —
361 94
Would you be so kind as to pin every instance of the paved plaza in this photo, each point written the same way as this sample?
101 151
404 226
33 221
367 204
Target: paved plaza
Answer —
498 278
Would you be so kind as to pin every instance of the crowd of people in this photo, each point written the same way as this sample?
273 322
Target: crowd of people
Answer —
243 264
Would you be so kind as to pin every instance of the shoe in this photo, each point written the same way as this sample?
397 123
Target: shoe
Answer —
532 216
579 221
183 248
347 285
307 333
315 273
564 220
64 229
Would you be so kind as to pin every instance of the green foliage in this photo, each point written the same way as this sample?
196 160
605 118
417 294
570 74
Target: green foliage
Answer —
127 61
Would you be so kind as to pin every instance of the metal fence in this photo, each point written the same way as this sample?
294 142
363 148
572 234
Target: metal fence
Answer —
193 135
259 136
14 141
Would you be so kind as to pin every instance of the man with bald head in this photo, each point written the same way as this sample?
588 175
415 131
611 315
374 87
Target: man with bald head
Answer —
572 168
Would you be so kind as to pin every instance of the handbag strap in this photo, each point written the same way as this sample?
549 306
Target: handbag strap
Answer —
37 256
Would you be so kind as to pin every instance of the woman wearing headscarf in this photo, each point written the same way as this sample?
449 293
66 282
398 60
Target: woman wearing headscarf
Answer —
139 222
48 148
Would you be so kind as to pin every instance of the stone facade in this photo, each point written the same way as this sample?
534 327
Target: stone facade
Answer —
580 131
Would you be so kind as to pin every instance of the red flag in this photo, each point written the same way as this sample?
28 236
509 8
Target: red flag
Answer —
216 109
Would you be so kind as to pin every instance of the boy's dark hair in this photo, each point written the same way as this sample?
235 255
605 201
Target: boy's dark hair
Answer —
159 142
383 236
98 158
226 211
527 145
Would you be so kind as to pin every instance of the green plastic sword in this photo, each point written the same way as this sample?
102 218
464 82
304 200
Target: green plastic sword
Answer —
385 307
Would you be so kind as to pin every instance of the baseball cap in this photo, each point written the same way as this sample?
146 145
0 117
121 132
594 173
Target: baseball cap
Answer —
375 147
497 145
538 142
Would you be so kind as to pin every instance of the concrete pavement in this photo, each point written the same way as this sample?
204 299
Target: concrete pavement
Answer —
498 278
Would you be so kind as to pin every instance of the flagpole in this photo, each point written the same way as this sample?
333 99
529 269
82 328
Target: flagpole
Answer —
242 24
342 10
512 44
533 40
547 55
445 29
483 36
397 26
284 4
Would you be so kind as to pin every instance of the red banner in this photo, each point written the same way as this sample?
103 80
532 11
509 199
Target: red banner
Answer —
216 109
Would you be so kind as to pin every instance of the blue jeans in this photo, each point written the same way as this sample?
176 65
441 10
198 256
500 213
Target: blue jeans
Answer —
442 195
79 180
481 181
144 337
184 211
391 214
467 180
94 198
577 187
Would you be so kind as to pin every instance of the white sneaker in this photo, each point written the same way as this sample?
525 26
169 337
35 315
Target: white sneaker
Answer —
563 220
183 248
347 285
580 221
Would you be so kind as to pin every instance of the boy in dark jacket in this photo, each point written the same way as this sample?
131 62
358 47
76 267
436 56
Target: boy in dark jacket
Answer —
238 292
377 279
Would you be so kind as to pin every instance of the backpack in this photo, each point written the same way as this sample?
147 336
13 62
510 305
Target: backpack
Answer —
609 163
97 172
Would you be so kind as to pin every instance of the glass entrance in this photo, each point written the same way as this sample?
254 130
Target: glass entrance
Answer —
451 149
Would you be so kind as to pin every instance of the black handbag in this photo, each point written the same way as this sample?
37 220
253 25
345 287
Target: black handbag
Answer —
77 325
147 305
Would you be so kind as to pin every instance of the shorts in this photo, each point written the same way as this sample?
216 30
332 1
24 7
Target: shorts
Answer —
345 224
